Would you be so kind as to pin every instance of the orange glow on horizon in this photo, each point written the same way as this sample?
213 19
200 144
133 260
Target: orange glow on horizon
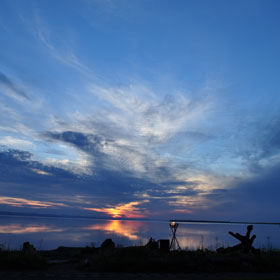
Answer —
127 210
123 228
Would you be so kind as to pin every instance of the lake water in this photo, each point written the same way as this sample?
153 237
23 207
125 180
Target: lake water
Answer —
49 233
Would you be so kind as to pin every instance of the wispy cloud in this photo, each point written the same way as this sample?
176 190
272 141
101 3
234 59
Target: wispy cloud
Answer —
66 57
14 142
141 113
11 88
22 202
41 172
138 126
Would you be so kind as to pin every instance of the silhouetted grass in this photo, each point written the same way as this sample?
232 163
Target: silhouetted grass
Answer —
143 259
18 260
137 259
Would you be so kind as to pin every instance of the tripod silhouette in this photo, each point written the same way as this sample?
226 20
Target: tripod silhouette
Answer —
174 242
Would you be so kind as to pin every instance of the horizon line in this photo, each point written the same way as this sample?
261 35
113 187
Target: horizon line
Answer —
223 222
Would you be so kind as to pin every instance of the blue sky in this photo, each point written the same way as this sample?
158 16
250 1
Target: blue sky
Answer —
159 109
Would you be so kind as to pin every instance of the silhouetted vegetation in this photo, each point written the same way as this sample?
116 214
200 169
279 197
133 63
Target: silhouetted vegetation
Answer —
140 259
19 260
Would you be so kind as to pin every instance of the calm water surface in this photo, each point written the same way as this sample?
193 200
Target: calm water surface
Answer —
49 233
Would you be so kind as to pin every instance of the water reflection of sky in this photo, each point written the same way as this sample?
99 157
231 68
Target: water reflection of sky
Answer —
21 229
49 233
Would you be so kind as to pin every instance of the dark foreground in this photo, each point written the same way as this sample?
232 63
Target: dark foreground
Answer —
137 263
69 275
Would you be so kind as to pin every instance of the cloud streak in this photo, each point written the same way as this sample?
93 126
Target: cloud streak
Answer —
67 58
22 202
11 88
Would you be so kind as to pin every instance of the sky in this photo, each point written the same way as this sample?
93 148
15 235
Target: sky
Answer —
152 109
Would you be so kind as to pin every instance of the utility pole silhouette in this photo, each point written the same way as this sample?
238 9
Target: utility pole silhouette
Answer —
174 242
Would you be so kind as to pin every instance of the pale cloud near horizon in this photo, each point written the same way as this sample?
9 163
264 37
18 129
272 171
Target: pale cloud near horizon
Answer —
22 202
15 143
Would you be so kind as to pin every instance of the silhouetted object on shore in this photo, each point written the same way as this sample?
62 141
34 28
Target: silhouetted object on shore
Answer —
108 244
27 248
246 242
68 252
152 244
164 245
174 242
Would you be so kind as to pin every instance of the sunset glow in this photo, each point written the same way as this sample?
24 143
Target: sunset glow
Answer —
128 210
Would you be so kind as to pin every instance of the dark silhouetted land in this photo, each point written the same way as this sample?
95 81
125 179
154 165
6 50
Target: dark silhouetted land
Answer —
118 263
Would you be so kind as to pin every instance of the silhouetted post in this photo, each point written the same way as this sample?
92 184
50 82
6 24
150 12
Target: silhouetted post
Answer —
174 242
164 245
245 242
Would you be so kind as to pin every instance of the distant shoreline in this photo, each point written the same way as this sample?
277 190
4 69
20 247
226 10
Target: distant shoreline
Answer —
17 214
223 222
37 215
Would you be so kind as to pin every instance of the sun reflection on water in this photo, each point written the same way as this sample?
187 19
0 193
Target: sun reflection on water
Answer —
126 229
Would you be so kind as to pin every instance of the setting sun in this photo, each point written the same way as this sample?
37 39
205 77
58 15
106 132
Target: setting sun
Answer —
127 210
